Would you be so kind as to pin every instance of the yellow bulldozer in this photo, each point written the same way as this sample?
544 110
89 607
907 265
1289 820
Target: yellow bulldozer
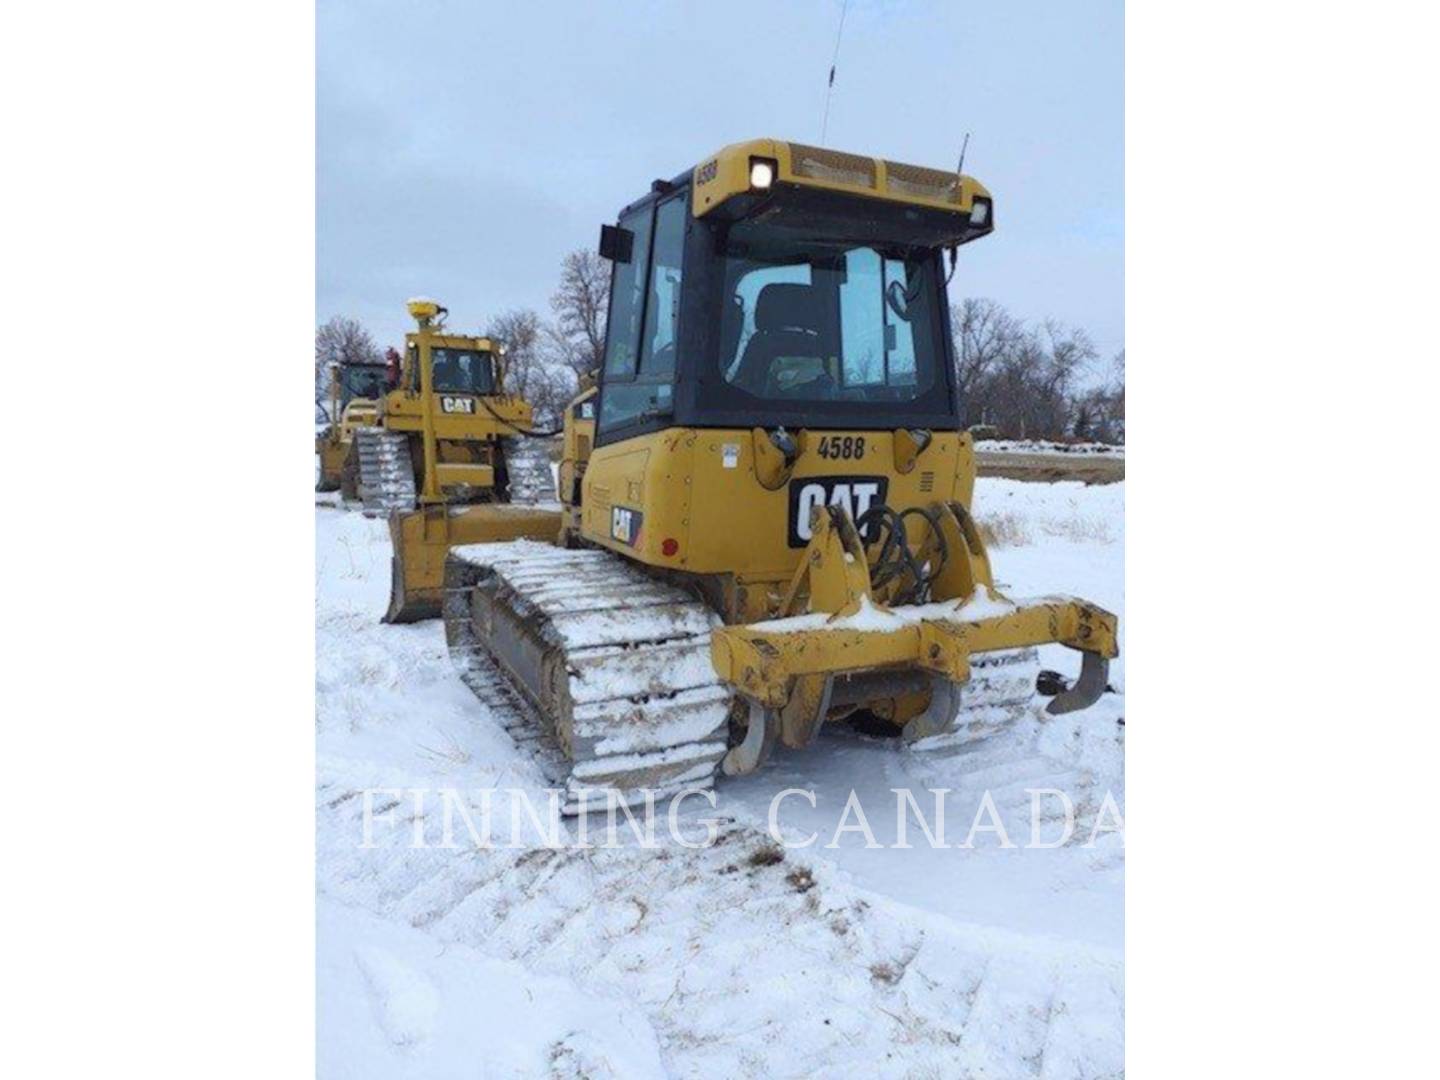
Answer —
421 541
449 432
765 520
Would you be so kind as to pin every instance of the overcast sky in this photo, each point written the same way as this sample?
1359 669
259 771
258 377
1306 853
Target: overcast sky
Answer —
463 148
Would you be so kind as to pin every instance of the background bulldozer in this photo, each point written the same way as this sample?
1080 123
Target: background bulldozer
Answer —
422 540
448 432
765 523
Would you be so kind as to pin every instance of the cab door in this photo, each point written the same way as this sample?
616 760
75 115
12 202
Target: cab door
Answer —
638 381
637 384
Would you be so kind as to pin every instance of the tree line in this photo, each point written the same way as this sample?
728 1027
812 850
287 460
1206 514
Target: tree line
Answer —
1017 379
1022 380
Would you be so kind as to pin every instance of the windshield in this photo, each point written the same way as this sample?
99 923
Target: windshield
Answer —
461 371
827 322
361 380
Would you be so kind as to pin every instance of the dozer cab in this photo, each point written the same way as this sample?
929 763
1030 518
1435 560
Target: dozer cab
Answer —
355 390
448 433
771 528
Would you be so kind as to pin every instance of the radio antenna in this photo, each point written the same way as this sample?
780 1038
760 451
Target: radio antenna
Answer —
959 190
830 86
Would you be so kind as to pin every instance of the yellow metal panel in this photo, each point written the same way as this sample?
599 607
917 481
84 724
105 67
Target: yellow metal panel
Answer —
479 476
637 496
700 487
727 173
405 412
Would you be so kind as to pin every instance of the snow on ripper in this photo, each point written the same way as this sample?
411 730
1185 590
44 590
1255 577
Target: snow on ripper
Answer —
773 435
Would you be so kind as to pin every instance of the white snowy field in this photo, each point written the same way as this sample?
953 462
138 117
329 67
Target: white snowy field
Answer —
1047 446
737 959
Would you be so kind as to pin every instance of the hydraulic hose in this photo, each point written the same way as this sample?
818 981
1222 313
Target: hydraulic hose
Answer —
528 433
896 556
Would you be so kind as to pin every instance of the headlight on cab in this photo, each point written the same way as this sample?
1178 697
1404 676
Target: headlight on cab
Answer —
762 173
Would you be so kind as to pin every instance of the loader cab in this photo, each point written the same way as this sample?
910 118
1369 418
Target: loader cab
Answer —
366 381
770 287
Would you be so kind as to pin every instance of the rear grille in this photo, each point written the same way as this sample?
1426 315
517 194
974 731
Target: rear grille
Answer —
818 163
922 183
927 483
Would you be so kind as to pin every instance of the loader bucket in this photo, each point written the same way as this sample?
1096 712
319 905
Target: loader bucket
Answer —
331 452
421 539
786 668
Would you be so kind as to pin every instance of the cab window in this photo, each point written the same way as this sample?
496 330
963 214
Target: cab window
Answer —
461 371
807 323
662 308
627 299
646 300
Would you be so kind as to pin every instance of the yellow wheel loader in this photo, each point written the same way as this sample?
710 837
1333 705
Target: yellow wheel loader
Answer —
770 527
449 432
354 393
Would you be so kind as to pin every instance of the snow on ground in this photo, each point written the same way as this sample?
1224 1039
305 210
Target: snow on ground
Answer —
1045 446
737 959
396 1003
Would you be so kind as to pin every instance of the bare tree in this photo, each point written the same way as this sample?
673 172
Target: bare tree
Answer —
1115 428
520 330
581 304
341 340
1065 352
1021 379
531 368
984 332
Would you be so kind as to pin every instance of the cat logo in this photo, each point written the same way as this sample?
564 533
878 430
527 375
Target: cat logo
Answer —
625 525
457 404
856 494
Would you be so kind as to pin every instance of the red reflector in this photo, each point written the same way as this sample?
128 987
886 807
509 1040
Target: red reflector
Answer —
669 546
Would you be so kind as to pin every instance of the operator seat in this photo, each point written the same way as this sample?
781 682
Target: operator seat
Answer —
787 325
446 374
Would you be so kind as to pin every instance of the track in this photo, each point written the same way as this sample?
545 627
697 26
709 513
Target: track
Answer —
387 476
606 663
1000 691
527 463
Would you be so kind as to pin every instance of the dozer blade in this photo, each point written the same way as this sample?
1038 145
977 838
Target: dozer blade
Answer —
420 541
